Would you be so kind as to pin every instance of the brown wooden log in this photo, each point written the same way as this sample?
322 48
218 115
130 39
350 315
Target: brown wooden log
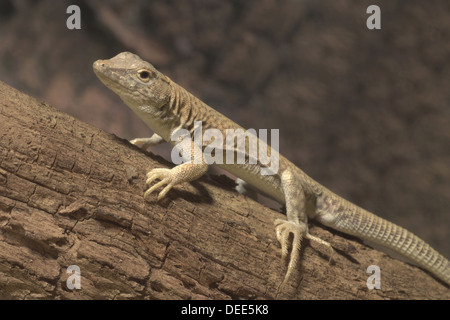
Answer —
71 194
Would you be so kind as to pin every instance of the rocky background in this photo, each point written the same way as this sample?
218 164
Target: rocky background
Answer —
364 112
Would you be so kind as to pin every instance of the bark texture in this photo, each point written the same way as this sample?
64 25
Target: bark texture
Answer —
71 194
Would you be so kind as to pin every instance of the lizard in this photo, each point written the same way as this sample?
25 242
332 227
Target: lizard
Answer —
167 107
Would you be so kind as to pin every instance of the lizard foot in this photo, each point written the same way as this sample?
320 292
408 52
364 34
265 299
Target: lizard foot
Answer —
284 229
166 176
142 143
171 177
244 188
145 143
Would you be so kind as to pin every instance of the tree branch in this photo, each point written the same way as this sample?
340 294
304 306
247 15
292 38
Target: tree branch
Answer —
71 194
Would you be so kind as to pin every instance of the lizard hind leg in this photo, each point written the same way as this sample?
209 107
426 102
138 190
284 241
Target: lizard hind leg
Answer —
321 242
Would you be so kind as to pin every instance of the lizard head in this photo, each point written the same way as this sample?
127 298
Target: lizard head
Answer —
136 81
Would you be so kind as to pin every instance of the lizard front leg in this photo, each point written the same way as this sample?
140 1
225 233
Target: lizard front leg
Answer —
145 143
190 170
296 223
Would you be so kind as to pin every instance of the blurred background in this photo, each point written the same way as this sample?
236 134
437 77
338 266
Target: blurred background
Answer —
364 112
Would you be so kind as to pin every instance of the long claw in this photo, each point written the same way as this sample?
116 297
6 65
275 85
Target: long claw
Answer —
322 242
163 193
154 187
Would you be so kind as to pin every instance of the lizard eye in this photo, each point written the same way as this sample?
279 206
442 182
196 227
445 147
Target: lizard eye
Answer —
144 75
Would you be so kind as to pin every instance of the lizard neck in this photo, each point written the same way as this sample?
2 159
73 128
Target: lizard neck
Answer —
181 107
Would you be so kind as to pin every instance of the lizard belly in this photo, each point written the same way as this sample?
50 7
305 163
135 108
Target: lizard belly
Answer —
269 185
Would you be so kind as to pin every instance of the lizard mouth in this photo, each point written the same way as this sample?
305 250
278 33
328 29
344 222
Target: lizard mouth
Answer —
105 74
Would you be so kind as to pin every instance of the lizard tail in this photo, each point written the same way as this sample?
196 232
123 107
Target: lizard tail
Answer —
342 215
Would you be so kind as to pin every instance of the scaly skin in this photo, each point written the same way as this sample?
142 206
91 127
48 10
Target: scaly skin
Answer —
166 107
342 215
